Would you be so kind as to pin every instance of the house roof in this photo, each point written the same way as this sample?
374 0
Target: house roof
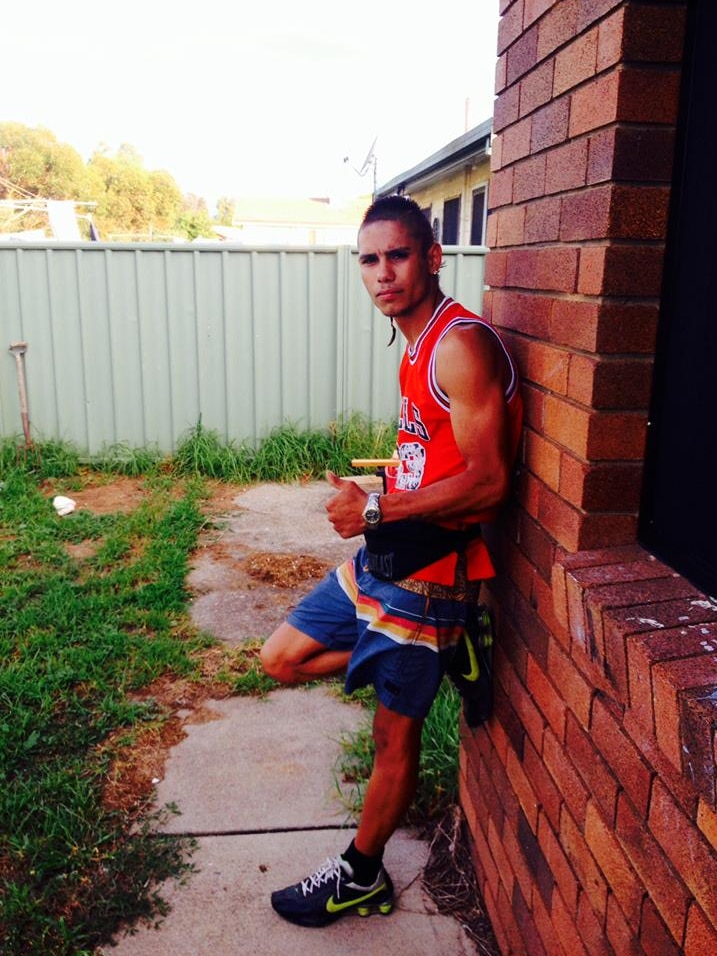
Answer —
463 151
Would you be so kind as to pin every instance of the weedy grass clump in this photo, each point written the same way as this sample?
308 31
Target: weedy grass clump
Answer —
77 639
286 453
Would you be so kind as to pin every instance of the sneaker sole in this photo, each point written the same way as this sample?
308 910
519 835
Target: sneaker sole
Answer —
317 920
382 908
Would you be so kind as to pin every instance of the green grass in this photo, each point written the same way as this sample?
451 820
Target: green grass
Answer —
438 772
286 453
76 639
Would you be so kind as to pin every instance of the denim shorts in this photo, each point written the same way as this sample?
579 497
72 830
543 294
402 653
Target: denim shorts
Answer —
399 640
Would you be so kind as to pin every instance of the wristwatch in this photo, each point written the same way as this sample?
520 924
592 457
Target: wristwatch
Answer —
372 511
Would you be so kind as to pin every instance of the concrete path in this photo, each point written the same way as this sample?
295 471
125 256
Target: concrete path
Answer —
256 786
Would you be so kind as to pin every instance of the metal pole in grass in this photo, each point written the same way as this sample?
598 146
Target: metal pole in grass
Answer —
18 349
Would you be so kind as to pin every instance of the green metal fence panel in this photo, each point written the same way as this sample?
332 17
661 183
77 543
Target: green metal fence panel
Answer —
135 344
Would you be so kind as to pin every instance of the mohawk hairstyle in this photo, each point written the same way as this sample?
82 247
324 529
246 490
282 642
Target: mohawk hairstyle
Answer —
404 210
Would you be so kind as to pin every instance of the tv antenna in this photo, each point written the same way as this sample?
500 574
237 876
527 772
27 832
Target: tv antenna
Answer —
370 161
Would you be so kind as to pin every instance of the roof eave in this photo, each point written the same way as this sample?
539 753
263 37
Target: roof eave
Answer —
466 150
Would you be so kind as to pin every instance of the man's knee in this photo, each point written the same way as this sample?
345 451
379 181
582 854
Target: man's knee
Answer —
275 659
396 737
285 653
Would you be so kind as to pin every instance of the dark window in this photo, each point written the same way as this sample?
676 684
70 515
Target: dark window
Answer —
451 220
426 210
678 517
478 218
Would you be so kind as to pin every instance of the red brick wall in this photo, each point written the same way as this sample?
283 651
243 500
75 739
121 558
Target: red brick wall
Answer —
590 795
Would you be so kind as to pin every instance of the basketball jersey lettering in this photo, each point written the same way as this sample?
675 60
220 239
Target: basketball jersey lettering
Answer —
412 424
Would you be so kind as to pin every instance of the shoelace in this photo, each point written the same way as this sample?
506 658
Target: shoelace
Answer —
329 870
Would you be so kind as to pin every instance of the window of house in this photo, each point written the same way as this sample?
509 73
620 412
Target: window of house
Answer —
451 221
478 217
426 210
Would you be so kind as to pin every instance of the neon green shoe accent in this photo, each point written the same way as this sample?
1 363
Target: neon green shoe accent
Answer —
474 669
334 907
383 908
485 626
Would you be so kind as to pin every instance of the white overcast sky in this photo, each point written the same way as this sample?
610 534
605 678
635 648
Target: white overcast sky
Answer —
253 99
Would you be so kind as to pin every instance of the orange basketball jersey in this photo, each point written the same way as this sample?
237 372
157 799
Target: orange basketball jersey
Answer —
427 450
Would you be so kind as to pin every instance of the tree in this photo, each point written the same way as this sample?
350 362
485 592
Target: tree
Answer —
34 160
167 200
131 201
194 221
136 203
226 208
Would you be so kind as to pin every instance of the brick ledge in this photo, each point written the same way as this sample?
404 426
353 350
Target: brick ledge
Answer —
647 639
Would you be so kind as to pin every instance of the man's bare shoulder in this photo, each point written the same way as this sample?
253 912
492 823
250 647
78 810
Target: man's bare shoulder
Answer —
474 345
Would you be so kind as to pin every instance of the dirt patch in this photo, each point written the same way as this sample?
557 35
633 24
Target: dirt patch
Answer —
101 496
138 766
223 496
284 570
83 550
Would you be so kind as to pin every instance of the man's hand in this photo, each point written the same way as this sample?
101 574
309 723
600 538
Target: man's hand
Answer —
345 509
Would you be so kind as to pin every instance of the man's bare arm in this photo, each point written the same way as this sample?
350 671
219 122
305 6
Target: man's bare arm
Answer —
473 371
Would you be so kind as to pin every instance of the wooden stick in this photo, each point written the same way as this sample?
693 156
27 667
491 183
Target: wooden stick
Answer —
374 462
18 349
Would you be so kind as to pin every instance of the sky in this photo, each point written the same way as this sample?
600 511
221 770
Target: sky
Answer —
268 98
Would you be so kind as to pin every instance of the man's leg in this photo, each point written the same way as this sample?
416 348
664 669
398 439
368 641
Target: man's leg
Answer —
292 657
357 880
393 780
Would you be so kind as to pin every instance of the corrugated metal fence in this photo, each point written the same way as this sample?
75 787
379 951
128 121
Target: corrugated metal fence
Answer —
135 344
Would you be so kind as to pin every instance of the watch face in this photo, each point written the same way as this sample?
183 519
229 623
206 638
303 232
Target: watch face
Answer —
372 512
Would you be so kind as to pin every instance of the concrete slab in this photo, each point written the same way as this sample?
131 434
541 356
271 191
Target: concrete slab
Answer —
288 518
263 764
224 910
271 518
237 616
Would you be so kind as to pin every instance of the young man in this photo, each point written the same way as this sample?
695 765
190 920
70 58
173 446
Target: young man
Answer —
394 614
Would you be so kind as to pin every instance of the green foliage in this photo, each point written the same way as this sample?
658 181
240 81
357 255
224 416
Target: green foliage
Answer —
225 210
193 220
48 459
438 775
34 160
135 202
132 202
76 639
247 676
286 453
120 459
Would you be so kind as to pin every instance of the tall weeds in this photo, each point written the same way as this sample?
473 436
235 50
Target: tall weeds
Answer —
286 453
